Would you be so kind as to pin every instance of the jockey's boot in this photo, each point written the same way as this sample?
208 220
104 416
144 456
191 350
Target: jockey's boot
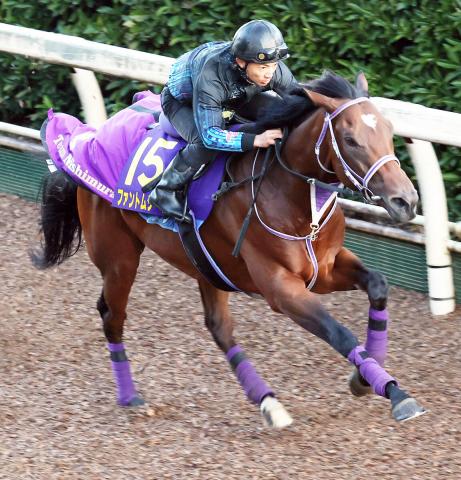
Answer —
169 195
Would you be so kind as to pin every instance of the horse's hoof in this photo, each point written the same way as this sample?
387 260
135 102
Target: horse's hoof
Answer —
356 385
134 402
274 413
407 409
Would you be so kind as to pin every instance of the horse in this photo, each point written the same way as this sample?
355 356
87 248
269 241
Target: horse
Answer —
292 250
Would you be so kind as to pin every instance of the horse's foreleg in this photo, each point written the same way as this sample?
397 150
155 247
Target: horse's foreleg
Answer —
349 273
220 323
288 296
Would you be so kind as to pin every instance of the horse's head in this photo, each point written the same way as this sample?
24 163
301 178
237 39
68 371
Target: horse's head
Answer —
361 151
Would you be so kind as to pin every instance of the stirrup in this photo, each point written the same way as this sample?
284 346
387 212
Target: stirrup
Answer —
185 217
179 214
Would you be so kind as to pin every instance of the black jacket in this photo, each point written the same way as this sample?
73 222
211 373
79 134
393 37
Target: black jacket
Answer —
209 79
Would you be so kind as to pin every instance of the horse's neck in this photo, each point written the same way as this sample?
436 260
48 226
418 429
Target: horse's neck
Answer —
288 197
300 148
288 202
299 154
300 202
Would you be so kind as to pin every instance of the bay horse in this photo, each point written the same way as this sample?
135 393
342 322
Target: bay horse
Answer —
293 248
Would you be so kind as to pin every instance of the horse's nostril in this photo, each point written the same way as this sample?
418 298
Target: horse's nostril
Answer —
400 203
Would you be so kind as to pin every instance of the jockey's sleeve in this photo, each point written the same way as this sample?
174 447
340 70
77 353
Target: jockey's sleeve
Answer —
208 99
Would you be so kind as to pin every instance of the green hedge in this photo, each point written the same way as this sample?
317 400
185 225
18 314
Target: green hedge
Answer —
409 50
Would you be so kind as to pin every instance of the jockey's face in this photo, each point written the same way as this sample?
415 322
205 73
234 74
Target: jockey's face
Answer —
258 73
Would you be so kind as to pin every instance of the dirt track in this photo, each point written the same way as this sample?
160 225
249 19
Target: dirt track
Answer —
57 401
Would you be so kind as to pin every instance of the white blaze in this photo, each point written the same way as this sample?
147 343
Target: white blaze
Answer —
370 120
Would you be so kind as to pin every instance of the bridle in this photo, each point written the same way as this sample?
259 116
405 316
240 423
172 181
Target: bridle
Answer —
361 183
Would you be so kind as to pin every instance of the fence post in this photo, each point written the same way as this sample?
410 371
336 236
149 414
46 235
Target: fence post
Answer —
90 96
437 235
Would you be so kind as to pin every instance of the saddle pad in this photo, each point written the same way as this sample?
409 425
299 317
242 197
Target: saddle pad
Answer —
129 150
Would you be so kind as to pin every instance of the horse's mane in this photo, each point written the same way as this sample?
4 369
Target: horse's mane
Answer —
295 105
333 86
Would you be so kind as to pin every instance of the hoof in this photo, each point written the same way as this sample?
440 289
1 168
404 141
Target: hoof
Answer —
356 385
407 409
274 413
134 402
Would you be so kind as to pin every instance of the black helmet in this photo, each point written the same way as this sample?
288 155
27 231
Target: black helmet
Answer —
259 41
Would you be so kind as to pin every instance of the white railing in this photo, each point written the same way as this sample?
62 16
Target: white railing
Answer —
77 52
418 124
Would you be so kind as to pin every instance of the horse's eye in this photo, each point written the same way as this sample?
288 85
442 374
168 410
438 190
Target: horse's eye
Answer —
351 142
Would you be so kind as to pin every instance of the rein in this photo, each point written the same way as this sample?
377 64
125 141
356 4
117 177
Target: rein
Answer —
246 222
311 180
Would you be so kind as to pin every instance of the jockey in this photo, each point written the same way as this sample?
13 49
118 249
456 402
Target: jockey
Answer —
206 86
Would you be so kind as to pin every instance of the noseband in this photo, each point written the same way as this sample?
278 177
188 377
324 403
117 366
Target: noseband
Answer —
361 183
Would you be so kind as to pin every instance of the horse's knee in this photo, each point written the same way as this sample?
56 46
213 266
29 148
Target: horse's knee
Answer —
378 290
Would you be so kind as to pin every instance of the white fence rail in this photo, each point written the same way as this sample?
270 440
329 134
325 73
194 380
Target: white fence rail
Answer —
417 123
77 52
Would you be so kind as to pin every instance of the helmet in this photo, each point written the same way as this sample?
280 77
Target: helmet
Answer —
259 41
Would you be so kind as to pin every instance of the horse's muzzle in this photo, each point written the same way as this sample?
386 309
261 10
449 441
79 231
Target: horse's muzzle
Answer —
401 208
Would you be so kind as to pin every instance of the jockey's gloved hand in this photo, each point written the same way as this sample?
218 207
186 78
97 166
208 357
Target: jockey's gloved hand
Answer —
267 138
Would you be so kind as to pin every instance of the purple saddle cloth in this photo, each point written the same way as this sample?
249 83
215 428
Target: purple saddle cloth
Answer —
128 151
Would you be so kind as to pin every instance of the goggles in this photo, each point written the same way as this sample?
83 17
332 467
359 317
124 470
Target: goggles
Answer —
272 54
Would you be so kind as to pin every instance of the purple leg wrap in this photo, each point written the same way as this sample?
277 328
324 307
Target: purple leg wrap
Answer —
255 388
370 370
376 344
121 368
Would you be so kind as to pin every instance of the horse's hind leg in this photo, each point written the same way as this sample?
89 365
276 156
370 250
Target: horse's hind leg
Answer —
220 324
113 318
115 250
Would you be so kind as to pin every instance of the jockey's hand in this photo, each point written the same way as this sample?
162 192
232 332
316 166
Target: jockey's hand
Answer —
267 138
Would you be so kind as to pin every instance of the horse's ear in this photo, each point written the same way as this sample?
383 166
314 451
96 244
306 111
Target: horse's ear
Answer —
322 101
361 83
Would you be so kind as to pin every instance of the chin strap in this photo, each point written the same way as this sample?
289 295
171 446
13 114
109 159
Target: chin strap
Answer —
243 71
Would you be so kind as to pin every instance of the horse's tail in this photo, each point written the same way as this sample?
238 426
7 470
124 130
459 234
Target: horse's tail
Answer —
60 226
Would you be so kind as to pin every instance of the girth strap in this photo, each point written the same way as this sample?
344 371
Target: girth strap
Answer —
201 259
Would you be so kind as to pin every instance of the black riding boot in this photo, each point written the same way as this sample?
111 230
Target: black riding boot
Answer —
169 195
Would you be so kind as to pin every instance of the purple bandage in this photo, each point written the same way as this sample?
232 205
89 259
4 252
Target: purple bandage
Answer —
376 343
379 315
125 386
255 388
370 370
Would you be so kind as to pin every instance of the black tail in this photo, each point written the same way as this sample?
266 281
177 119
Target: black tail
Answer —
59 223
